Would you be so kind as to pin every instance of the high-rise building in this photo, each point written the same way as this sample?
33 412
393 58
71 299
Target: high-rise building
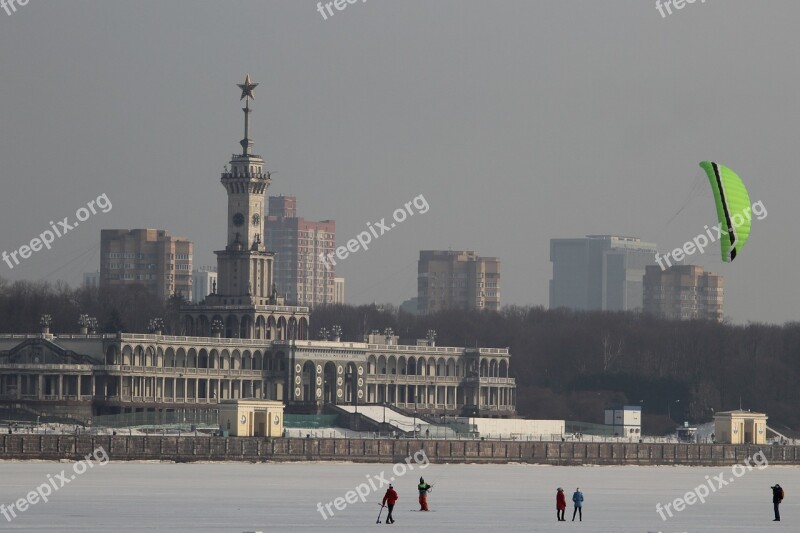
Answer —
204 282
298 244
410 306
457 280
338 290
684 292
150 257
599 272
91 279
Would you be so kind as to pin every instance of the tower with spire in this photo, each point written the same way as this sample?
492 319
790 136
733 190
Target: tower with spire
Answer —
245 266
245 291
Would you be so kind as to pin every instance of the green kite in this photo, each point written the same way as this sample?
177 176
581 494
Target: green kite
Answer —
733 208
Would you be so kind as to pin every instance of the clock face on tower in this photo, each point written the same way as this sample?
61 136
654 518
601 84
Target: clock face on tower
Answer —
238 219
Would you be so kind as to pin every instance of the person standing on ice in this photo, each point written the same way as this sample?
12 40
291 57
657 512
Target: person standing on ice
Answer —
389 500
423 489
561 504
777 498
577 499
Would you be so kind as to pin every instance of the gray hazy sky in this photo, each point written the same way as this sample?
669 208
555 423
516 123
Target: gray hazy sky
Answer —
518 121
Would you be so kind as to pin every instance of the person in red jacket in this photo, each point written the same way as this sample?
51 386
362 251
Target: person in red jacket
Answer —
389 499
561 504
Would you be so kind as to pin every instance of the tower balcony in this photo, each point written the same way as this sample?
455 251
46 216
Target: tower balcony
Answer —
245 175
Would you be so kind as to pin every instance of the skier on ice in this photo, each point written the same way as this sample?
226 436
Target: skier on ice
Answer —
389 500
423 488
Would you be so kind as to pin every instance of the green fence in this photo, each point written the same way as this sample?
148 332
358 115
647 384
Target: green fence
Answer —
176 418
587 428
310 421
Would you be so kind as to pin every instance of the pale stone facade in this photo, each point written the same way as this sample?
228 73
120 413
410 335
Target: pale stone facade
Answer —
740 427
251 418
243 342
85 375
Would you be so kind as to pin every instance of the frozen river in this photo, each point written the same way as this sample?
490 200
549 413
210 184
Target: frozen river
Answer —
237 497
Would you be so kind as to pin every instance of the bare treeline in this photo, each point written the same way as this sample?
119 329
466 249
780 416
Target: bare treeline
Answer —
568 364
127 309
571 364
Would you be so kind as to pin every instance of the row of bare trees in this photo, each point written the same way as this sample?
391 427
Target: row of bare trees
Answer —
127 309
567 364
570 364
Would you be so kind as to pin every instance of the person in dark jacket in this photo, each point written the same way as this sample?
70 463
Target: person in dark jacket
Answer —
389 500
577 499
561 504
777 498
423 489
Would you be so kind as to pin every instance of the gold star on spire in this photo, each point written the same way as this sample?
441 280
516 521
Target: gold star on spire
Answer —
247 88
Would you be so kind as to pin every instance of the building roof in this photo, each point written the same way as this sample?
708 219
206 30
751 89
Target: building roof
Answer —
740 412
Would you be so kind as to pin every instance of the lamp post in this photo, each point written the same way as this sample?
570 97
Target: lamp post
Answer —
641 418
669 405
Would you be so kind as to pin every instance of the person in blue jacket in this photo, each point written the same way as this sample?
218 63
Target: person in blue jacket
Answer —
577 500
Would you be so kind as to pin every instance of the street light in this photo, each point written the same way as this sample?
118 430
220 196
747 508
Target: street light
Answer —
641 418
669 405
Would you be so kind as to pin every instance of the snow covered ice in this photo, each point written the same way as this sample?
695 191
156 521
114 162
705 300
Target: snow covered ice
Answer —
237 497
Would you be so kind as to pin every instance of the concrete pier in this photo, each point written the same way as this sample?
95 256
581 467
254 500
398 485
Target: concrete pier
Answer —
252 449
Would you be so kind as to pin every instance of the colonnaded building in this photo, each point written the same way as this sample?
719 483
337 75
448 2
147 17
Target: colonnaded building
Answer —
243 342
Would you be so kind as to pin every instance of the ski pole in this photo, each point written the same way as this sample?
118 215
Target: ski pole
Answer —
379 515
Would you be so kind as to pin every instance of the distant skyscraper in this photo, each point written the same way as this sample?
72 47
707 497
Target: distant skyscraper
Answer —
204 282
150 257
338 290
91 279
684 292
599 272
410 306
457 280
297 244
